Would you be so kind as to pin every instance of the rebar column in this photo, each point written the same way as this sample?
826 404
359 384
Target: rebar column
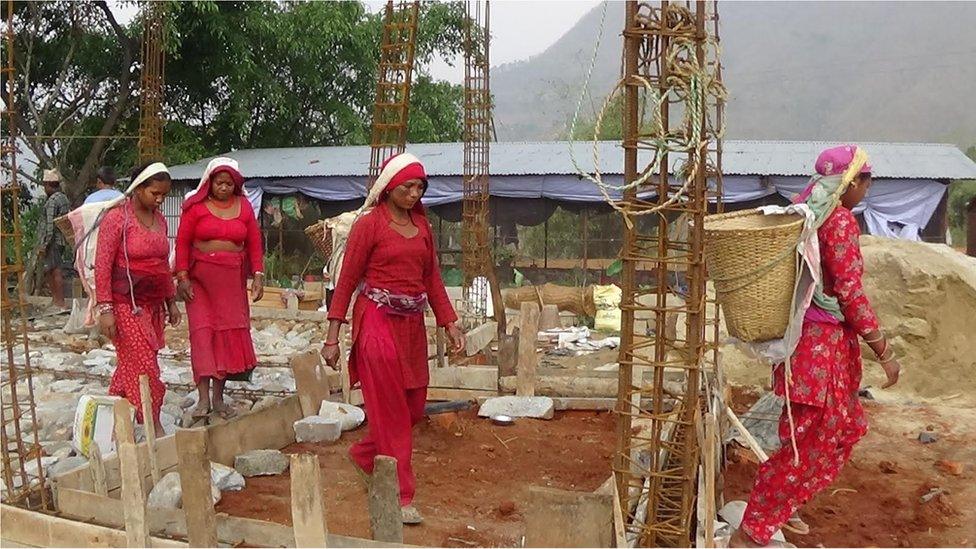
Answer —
667 80
476 253
151 81
20 452
392 108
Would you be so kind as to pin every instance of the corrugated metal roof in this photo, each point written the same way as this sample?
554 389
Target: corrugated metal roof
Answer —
789 158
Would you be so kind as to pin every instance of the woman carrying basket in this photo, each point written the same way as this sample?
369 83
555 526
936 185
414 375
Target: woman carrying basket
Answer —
391 259
825 369
134 285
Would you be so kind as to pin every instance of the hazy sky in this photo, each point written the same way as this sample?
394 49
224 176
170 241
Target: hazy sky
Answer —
519 29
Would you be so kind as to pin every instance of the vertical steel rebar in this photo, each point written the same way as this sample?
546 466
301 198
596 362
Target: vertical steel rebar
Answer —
20 451
151 81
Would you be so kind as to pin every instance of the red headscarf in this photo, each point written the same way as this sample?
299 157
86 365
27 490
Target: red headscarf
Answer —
216 166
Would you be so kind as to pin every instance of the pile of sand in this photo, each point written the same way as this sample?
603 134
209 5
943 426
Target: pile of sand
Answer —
925 297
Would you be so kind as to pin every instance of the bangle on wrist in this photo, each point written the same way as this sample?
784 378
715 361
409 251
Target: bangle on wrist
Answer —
103 308
331 344
182 276
880 337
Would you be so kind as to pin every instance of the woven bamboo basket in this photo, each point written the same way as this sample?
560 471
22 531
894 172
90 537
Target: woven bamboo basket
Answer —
751 259
321 237
64 226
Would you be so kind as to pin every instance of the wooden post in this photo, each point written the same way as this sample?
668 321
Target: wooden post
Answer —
133 497
440 341
527 359
345 345
201 521
149 426
97 469
619 526
385 516
708 455
561 518
307 508
311 381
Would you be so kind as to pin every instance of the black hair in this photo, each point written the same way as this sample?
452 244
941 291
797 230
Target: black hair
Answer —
162 176
107 175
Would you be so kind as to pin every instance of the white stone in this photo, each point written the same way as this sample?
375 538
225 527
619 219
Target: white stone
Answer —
608 367
261 462
515 406
225 478
168 492
317 429
348 416
66 386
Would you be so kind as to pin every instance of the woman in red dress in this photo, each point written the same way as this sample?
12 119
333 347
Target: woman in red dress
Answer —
391 259
825 368
218 246
134 286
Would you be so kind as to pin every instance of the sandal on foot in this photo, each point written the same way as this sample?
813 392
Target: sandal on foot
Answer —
225 411
796 526
198 413
411 515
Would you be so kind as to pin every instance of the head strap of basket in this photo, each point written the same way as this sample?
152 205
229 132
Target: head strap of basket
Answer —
837 168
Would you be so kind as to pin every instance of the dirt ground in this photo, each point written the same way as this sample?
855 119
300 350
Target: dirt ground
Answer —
472 477
875 502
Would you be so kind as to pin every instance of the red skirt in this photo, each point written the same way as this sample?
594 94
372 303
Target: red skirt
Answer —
219 316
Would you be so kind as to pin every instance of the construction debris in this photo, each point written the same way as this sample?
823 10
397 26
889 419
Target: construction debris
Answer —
348 416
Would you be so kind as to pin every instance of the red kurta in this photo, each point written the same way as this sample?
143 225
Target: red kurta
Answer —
389 354
826 375
385 259
142 255
219 315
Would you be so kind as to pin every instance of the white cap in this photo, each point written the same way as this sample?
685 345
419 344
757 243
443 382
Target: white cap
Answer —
52 176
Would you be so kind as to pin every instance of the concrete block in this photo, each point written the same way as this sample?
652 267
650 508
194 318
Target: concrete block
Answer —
348 416
261 462
317 429
516 406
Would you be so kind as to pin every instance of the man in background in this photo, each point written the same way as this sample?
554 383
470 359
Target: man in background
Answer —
50 240
104 186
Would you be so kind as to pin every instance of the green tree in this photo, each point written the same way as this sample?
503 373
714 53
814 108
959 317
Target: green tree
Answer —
238 75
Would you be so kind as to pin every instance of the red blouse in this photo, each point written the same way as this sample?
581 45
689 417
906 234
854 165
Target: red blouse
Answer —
199 223
144 246
843 268
387 260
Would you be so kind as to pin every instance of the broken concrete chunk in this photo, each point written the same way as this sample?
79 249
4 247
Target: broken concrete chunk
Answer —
515 406
168 492
927 437
317 429
348 416
225 478
261 462
65 465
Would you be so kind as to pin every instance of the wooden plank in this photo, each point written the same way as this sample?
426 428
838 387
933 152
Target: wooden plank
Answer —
619 526
148 426
97 470
750 440
307 509
385 517
133 495
80 478
271 427
41 530
708 455
233 531
480 337
437 393
201 522
528 359
440 339
311 381
484 378
560 518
